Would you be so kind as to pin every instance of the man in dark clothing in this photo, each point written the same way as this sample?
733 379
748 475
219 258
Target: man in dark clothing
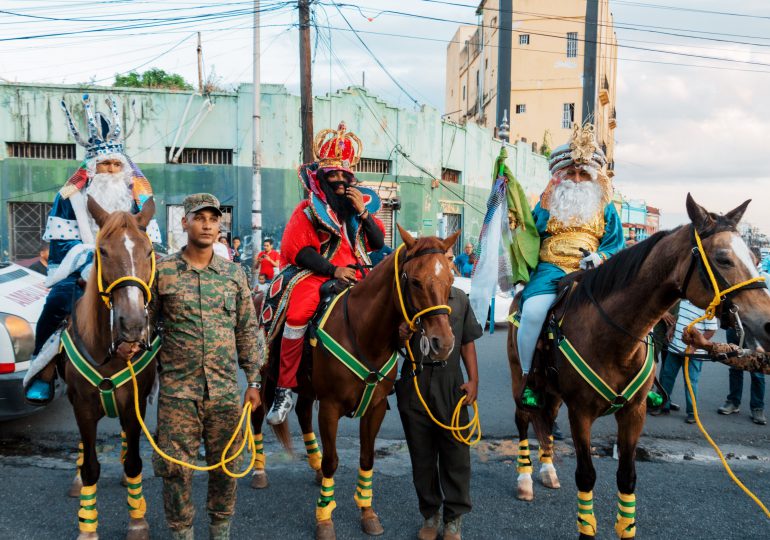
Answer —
41 265
441 465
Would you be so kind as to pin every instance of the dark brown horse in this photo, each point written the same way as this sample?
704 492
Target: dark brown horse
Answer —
102 319
606 318
365 322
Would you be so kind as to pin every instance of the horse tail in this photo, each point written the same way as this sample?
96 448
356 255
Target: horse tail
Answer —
283 435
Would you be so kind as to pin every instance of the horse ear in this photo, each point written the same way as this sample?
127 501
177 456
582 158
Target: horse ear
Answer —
99 214
700 217
145 215
450 240
734 216
406 237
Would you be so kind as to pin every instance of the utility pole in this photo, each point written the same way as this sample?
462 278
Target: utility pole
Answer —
200 65
504 34
306 85
256 157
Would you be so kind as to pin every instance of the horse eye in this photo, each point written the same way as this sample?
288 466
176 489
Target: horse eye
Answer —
416 284
102 252
724 261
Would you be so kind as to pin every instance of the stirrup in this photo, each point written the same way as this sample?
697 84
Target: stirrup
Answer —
39 392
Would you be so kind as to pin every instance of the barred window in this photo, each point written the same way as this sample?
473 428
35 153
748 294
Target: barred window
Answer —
203 156
521 108
572 44
568 115
40 150
371 165
450 175
523 39
27 220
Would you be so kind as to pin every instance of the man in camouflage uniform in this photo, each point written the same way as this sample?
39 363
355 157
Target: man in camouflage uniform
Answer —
209 323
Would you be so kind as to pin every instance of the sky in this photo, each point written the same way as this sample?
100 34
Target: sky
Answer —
685 123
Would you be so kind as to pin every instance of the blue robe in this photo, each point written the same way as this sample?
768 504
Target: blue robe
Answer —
545 277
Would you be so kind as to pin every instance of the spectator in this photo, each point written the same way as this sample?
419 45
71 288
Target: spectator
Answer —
377 256
41 265
465 261
262 284
269 259
675 357
222 249
450 254
237 250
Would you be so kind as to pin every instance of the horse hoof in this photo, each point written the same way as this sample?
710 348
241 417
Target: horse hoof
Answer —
370 523
74 490
88 536
259 480
324 530
138 529
550 480
524 490
319 475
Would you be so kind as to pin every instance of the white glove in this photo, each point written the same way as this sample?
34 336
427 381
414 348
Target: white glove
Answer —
590 259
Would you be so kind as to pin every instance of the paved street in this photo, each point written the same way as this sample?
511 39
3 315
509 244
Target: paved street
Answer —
682 490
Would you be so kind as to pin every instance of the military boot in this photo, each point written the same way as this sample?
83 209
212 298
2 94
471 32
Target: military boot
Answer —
452 529
429 530
219 529
183 534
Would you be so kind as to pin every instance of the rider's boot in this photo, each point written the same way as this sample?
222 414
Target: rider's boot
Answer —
282 404
41 390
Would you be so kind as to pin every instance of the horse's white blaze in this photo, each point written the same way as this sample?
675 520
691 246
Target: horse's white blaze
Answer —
741 251
133 293
438 268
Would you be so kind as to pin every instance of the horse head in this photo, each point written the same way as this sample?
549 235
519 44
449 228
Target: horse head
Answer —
124 270
426 279
732 264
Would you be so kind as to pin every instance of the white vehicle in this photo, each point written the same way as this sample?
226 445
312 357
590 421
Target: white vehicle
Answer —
22 296
503 300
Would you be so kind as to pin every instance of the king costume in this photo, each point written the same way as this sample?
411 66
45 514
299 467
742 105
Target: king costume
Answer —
316 242
71 232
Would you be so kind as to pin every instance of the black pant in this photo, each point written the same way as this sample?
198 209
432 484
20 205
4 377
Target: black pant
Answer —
441 466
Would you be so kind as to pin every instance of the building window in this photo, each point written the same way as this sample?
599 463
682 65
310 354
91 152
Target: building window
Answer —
523 39
568 115
28 220
40 150
572 44
486 63
369 165
521 108
203 156
450 175
463 91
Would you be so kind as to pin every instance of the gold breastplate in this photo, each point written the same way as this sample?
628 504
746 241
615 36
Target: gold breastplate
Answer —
563 247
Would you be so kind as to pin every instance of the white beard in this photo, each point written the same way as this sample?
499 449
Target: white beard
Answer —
576 203
112 193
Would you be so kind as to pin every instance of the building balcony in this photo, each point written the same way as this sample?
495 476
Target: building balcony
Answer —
613 123
604 96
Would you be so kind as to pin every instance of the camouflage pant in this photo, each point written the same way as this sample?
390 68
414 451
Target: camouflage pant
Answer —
181 425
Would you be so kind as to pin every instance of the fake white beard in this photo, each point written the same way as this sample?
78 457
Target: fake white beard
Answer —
576 203
112 193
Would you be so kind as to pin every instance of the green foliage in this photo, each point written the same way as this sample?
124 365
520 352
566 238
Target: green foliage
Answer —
152 78
545 148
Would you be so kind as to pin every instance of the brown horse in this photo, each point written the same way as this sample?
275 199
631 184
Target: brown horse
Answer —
102 319
365 322
606 317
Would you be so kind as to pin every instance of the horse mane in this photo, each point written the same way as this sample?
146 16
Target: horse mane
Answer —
618 272
88 317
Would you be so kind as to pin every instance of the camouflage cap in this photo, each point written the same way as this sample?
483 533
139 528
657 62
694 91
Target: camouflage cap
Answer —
199 201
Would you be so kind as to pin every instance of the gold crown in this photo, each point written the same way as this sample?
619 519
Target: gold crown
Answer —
337 148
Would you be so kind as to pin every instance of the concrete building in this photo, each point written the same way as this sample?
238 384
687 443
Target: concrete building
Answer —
433 175
639 220
554 63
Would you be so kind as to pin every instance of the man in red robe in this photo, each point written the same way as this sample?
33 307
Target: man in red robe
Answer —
328 236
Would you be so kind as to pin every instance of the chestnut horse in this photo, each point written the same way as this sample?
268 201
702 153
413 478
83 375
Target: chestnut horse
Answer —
606 318
112 311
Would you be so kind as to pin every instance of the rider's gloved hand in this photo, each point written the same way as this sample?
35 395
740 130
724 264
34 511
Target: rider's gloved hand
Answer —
592 260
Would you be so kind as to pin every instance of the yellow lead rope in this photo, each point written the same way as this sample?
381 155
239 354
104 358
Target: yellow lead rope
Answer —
710 311
474 426
224 460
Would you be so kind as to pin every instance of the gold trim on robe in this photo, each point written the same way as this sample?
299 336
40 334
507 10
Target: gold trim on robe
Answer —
562 248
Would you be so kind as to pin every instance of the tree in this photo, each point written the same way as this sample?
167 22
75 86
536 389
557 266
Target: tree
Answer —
545 148
152 78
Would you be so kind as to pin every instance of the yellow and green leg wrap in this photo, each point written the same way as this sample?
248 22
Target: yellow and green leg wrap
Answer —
313 451
625 520
123 447
259 452
325 504
137 506
546 456
523 462
363 496
88 519
586 521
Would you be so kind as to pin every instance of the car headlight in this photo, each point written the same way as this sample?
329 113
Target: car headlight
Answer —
22 336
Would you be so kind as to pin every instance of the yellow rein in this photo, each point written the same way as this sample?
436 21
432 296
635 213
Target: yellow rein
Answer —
245 415
105 293
474 426
710 312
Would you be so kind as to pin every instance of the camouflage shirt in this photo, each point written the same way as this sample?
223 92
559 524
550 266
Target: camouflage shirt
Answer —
208 323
